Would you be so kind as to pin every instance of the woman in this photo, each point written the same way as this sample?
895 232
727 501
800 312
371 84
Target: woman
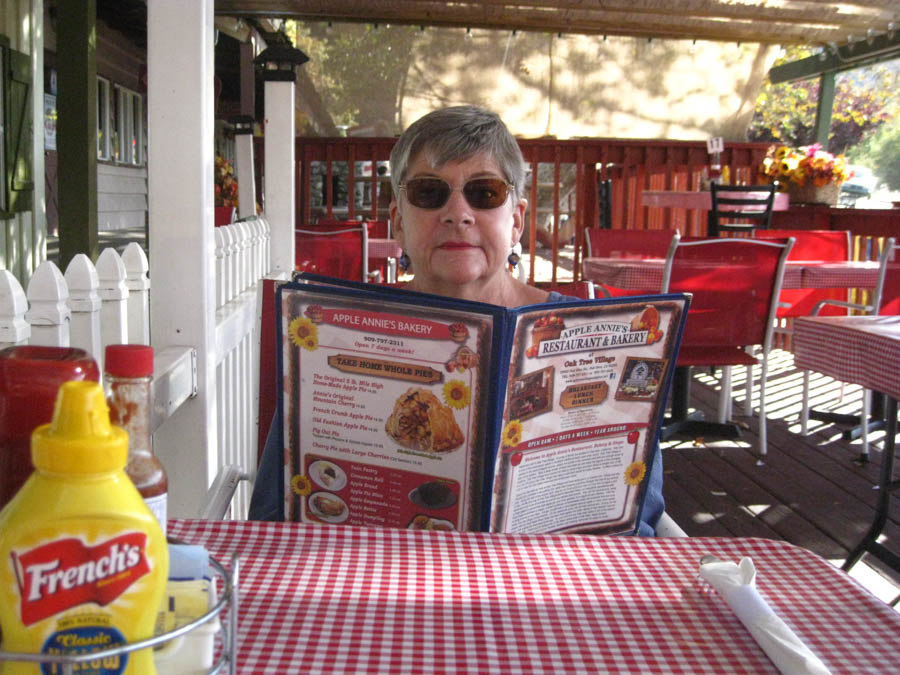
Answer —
457 176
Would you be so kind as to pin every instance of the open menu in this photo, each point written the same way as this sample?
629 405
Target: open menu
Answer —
402 409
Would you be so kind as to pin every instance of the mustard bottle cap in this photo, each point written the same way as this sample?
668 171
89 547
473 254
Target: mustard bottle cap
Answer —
79 439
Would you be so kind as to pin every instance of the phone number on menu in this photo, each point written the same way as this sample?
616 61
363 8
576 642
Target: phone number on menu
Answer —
383 341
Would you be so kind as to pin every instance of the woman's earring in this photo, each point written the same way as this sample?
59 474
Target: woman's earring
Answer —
513 258
403 262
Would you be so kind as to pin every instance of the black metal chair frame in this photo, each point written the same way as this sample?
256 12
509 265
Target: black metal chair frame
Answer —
604 202
741 202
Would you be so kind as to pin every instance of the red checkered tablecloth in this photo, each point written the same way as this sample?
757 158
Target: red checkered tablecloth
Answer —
646 274
862 350
633 275
384 248
345 599
848 274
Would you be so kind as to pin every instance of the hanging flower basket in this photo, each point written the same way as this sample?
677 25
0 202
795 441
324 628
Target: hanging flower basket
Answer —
813 194
224 215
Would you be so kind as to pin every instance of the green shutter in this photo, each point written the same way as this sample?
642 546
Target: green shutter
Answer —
19 164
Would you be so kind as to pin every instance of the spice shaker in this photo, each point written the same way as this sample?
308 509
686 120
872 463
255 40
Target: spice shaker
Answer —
128 380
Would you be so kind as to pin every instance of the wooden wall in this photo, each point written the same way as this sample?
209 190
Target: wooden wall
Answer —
23 240
121 188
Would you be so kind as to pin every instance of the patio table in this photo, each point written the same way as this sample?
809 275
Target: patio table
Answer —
331 599
384 248
700 200
647 273
861 350
383 254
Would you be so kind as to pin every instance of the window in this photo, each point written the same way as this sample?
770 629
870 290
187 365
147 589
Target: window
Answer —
128 116
103 116
3 200
16 132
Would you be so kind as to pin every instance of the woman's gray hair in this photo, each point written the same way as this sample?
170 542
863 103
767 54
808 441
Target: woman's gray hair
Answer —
454 135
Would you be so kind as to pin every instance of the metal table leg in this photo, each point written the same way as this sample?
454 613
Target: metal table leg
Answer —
691 424
886 485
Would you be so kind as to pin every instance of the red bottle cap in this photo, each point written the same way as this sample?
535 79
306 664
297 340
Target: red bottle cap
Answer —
128 360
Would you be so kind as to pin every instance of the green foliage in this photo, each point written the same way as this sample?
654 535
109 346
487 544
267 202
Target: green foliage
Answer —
356 70
881 152
864 100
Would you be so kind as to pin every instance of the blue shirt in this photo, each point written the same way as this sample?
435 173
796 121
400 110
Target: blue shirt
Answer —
267 500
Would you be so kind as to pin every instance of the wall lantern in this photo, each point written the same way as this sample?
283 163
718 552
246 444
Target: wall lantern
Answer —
279 62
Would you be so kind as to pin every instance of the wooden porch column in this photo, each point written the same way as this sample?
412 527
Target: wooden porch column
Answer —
279 192
824 108
76 126
243 155
180 69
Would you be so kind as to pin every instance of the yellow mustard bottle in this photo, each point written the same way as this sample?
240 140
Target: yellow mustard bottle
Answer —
83 561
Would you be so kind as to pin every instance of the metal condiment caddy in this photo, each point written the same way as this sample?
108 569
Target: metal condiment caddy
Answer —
226 663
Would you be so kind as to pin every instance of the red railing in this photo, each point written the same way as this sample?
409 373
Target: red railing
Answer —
562 193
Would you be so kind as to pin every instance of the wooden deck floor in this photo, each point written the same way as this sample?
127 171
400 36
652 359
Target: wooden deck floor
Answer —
808 490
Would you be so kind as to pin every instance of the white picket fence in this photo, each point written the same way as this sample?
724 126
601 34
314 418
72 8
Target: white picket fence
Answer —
93 306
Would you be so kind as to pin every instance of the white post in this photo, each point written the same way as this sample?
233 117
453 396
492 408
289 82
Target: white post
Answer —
231 248
48 315
244 242
138 285
14 329
279 174
180 69
113 301
221 250
246 178
84 301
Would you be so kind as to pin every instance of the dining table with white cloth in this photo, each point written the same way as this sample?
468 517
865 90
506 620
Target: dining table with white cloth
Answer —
329 599
700 200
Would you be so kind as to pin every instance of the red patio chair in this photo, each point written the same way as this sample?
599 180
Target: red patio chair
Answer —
379 267
339 250
813 245
735 285
628 244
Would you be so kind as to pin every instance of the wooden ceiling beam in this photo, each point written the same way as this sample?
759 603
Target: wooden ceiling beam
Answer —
800 22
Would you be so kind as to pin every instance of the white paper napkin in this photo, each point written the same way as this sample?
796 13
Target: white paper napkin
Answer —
737 586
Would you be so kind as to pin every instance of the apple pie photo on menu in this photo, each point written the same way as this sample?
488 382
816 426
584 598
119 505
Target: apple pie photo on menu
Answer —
531 394
421 422
640 379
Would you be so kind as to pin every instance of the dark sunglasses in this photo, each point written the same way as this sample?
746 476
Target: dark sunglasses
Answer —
432 193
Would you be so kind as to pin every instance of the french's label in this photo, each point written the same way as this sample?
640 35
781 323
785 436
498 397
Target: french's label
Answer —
63 574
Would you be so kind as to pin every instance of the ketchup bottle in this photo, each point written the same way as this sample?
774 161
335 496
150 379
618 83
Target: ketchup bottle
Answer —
30 376
128 379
